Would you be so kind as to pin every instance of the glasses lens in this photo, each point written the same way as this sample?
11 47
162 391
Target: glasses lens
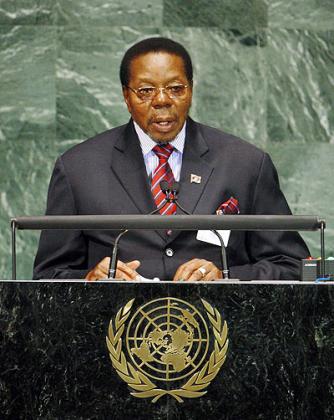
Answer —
146 93
175 91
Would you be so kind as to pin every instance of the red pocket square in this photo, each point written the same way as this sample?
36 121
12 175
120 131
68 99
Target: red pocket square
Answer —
229 207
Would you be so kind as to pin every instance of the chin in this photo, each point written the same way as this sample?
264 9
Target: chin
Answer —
164 139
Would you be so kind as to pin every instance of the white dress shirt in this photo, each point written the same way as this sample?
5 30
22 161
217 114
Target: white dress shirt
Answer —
152 160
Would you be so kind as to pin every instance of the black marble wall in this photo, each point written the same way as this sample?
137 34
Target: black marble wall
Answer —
55 363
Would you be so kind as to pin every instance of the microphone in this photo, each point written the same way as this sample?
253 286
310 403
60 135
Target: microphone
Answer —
165 188
171 196
113 260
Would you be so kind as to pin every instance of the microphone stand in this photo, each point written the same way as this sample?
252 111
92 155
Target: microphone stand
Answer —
113 259
223 256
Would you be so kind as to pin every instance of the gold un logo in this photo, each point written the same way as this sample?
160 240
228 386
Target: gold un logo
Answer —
164 348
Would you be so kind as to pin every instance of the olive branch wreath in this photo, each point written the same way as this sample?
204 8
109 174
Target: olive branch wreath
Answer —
143 386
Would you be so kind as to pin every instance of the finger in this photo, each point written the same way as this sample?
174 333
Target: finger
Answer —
96 275
120 275
210 276
133 264
177 275
100 271
192 272
102 274
184 270
213 273
125 272
104 264
197 274
217 275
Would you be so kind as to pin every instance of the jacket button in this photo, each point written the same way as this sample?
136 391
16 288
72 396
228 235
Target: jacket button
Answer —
169 252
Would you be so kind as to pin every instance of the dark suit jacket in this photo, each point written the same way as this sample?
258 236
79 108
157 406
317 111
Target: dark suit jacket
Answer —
106 175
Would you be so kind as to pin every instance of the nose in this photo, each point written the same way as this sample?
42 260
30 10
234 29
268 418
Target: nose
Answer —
161 99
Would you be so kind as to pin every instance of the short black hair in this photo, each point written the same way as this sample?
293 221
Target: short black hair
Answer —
157 44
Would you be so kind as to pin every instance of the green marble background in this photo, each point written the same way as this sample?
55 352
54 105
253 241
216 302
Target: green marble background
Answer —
264 70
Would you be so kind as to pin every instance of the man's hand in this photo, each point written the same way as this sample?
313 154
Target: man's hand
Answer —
125 271
197 270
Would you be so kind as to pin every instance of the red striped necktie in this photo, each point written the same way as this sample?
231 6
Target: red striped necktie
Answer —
162 172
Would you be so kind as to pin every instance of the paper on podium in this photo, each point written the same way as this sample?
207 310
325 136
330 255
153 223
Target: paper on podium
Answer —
209 237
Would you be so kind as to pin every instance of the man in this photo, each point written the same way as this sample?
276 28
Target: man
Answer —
118 172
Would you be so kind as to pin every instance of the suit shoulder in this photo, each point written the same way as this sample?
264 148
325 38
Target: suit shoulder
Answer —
223 141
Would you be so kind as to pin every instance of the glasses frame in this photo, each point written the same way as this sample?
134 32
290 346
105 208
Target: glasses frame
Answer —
157 89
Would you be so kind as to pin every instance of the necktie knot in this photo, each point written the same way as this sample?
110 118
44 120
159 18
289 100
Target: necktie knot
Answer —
163 151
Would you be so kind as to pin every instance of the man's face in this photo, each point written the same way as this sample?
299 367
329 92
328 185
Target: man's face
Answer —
161 117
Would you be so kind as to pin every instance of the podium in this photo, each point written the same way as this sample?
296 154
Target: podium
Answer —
107 350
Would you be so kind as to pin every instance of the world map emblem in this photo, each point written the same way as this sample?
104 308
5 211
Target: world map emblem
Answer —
167 347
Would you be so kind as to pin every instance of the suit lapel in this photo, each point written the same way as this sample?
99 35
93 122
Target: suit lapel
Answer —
194 163
129 167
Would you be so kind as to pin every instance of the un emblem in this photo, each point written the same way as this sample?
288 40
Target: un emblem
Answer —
164 348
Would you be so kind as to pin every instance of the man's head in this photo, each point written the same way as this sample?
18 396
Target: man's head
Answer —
156 76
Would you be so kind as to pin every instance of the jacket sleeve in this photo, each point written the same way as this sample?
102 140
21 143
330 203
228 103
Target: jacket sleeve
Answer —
273 255
61 253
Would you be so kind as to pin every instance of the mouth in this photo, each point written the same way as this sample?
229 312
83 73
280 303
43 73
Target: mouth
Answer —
163 125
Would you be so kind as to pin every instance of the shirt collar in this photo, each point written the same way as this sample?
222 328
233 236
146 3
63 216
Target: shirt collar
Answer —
147 144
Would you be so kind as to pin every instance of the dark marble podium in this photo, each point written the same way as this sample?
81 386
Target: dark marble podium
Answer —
54 362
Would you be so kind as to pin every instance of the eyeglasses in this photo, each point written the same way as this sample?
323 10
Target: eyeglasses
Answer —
174 91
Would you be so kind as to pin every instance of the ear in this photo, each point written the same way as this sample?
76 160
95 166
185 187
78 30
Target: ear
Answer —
126 96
